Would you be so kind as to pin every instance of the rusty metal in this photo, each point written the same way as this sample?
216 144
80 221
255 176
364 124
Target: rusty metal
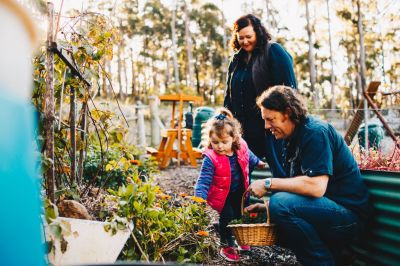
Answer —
358 116
378 113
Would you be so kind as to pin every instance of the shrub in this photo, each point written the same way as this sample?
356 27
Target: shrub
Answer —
165 227
376 160
120 162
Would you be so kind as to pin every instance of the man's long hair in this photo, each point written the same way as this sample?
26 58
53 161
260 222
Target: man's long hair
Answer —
285 100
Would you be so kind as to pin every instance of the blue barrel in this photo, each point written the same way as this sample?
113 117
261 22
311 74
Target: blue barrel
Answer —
375 135
202 114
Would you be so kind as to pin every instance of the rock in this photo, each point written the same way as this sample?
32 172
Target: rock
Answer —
94 191
73 209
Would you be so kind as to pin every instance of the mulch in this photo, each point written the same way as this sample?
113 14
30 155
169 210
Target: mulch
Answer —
176 180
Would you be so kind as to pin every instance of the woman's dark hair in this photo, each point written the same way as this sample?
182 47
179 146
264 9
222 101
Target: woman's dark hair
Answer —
285 100
262 34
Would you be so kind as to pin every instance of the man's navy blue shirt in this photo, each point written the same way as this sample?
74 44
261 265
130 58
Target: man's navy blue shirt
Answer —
316 148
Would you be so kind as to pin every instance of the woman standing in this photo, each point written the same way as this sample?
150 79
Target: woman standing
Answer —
258 63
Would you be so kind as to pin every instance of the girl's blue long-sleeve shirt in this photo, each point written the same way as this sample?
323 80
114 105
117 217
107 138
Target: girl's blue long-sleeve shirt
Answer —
207 172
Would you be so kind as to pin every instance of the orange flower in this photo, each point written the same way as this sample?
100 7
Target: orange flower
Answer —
202 233
66 170
183 195
135 162
164 196
198 199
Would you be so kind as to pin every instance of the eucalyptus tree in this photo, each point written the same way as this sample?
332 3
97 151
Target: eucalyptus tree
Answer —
333 94
123 14
359 38
311 56
360 31
156 36
349 44
188 39
208 50
387 26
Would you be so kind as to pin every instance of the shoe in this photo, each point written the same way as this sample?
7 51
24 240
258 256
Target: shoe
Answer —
230 254
244 248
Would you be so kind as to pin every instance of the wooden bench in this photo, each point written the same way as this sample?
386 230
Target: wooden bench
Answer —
166 150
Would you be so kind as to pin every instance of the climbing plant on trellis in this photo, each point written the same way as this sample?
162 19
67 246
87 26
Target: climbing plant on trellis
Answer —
78 49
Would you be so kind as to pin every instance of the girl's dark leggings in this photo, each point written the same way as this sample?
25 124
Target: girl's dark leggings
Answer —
230 212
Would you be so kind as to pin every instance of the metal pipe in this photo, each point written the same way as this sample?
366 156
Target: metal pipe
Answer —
381 118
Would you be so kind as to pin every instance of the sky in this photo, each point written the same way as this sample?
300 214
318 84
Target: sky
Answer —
232 8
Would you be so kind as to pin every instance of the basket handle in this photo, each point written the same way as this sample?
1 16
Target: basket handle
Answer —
265 203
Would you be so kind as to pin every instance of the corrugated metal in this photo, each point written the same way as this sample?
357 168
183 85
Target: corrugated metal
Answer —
381 244
260 174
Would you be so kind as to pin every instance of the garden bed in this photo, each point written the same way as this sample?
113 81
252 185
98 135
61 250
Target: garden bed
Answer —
178 180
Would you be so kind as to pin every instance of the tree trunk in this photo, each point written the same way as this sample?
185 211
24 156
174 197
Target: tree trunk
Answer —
125 76
362 70
311 59
268 12
225 43
72 124
358 86
197 78
168 77
333 100
362 47
174 53
145 80
154 76
119 64
212 79
48 125
188 48
83 146
110 78
104 79
133 86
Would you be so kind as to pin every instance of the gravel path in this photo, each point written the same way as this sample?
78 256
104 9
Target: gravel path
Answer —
175 180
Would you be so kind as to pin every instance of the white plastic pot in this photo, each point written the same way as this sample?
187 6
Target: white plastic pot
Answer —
88 243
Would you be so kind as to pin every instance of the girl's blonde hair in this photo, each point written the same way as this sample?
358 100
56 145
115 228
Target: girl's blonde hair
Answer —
224 123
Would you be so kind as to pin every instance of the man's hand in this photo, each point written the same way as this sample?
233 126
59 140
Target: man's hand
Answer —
258 189
257 207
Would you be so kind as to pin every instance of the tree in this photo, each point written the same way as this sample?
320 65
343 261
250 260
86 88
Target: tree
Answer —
362 47
333 100
188 39
311 57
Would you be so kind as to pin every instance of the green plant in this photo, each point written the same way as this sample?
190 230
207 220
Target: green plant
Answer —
121 162
164 227
250 218
57 230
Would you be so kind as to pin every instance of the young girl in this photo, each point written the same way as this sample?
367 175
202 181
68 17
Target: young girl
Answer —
224 175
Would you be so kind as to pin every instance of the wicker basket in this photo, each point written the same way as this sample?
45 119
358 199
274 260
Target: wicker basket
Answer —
254 234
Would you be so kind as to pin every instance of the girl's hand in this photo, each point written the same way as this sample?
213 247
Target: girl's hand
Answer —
262 164
258 207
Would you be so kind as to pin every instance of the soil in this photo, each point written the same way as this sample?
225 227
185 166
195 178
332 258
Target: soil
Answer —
176 180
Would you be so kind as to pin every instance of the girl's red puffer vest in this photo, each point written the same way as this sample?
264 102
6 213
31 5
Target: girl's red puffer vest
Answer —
221 183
